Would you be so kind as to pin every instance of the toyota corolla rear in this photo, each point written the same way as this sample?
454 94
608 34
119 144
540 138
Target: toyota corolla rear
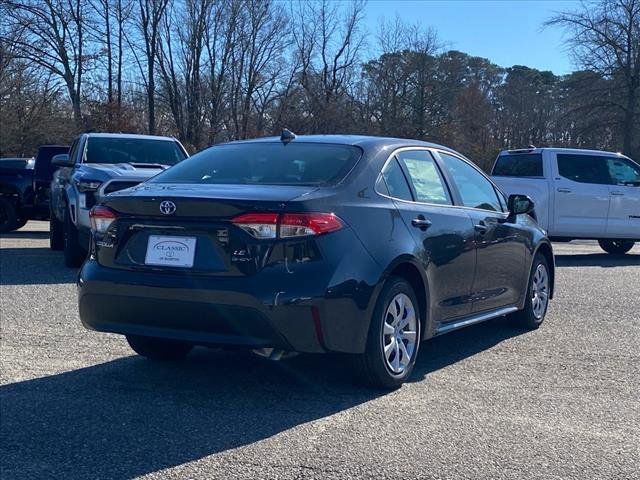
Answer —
243 244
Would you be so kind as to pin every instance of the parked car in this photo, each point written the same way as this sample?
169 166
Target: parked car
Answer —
350 244
24 187
579 194
99 164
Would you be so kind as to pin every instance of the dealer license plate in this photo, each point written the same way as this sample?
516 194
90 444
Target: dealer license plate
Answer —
170 251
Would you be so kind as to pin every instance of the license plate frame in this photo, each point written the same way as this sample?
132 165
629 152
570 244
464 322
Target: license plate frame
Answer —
170 251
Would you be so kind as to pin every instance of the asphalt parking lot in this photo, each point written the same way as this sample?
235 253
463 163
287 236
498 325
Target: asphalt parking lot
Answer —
490 401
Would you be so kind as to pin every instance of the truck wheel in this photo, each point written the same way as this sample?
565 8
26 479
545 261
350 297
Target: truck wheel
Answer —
616 247
159 348
74 254
56 233
8 217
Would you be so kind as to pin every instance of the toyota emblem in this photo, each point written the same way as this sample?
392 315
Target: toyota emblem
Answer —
167 207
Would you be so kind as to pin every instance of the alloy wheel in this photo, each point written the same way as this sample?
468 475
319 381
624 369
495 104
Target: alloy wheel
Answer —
540 291
400 334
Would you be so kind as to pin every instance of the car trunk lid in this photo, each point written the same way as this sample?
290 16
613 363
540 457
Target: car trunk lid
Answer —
178 228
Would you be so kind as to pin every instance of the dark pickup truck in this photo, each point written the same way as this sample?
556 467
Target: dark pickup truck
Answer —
25 186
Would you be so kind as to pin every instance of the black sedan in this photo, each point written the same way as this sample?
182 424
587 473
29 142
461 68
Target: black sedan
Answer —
350 244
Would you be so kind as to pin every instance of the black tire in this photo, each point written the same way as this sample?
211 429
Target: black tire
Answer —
8 216
56 232
529 318
371 366
159 348
74 254
616 247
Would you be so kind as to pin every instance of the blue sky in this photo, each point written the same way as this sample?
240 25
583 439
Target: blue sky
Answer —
508 32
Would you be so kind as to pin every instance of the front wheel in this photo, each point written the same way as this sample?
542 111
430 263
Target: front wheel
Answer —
616 247
538 293
394 337
159 348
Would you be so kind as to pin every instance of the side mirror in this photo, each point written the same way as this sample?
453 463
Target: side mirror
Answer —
519 204
62 160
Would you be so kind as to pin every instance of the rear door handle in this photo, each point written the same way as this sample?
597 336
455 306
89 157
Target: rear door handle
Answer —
564 190
421 222
618 194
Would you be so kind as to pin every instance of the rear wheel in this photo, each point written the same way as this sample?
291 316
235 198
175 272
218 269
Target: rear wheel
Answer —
394 337
74 254
616 247
535 309
56 232
159 348
8 216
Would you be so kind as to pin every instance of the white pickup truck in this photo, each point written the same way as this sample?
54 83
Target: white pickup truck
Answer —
579 194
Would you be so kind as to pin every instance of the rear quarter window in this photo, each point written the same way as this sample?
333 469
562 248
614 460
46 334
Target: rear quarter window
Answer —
519 165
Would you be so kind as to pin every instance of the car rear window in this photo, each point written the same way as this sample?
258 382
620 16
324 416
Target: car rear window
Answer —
265 164
133 150
519 165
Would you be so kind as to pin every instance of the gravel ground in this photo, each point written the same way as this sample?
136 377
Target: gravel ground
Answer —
486 402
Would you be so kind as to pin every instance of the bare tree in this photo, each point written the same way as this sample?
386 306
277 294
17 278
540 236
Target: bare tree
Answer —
329 43
255 63
605 37
50 34
151 14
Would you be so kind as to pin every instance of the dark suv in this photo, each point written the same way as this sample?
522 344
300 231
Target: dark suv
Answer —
358 245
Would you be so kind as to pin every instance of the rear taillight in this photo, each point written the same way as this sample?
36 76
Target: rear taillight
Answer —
287 225
259 225
101 218
302 224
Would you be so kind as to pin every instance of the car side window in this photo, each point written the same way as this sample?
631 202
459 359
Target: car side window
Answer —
584 168
623 172
428 184
475 190
395 181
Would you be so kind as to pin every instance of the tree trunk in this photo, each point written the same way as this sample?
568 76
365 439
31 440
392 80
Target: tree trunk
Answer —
628 128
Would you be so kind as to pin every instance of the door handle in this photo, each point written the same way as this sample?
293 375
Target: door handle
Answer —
618 194
481 227
564 190
421 222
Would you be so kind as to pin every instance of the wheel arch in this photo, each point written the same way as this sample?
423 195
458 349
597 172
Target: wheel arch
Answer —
409 268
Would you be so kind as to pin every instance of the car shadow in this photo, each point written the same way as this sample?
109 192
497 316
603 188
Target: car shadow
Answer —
129 417
33 266
448 349
605 260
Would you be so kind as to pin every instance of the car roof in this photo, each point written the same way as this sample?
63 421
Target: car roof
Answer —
128 135
364 141
558 149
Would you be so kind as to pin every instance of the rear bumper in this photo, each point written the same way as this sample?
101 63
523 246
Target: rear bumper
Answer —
248 312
